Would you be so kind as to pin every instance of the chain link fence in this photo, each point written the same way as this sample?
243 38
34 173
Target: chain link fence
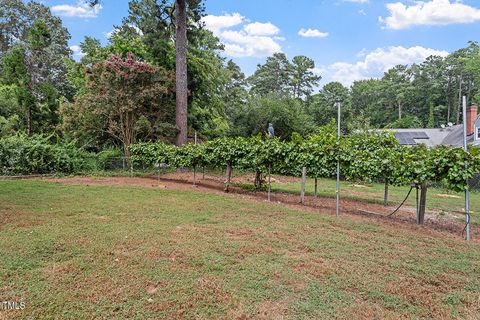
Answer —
475 183
115 163
123 166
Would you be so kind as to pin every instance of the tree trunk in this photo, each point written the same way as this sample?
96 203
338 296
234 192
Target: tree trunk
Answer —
459 101
258 179
399 111
127 123
30 107
449 99
315 193
29 121
126 153
181 71
423 203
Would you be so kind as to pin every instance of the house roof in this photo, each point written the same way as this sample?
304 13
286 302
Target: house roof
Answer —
455 138
429 137
450 136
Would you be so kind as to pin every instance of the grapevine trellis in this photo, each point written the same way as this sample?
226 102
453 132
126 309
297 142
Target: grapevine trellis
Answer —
368 156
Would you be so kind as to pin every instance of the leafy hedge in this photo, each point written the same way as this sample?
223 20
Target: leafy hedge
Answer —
366 156
23 155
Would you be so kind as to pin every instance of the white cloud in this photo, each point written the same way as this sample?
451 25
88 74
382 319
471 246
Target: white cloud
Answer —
75 48
112 32
362 53
218 23
235 50
251 46
244 39
377 62
77 51
261 29
312 33
81 10
434 13
109 34
319 71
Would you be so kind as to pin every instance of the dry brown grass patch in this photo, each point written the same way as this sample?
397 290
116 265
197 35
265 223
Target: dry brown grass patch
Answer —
272 310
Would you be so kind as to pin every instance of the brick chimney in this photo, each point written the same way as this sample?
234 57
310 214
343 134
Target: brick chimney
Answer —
472 113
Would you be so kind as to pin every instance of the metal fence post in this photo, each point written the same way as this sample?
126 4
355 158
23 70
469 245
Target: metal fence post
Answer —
339 106
465 147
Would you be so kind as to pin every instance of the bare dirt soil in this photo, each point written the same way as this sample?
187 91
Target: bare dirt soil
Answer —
404 218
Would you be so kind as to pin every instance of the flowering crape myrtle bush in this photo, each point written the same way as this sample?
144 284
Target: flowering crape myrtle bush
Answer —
364 156
126 98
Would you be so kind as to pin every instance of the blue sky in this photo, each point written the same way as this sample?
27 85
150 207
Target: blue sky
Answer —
348 39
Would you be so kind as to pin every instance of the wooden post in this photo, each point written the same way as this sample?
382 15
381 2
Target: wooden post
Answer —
316 188
258 179
423 203
385 194
194 176
304 181
228 176
203 173
417 203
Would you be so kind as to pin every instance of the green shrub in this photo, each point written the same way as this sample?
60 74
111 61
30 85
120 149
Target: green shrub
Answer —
22 155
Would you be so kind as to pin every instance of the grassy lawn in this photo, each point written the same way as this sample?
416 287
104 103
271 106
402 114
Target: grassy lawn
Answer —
83 252
437 199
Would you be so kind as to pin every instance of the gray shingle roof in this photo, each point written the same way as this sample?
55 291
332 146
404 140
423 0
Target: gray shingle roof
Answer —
455 138
429 137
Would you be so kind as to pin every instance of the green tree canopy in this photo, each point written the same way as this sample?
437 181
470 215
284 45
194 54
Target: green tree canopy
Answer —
125 98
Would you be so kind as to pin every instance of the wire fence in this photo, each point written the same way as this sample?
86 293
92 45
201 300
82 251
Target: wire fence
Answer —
475 183
116 163
124 165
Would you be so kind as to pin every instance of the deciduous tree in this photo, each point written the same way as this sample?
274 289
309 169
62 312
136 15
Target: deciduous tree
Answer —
125 97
